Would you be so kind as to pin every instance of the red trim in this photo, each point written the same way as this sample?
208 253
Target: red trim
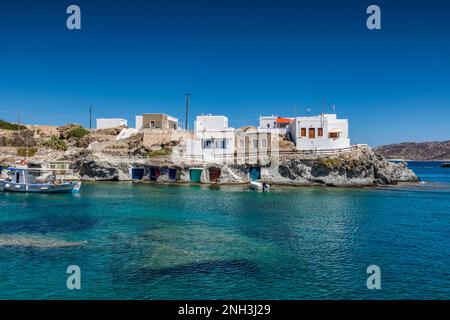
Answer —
283 120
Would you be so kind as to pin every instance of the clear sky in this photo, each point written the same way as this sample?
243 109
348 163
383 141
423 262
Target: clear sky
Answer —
240 58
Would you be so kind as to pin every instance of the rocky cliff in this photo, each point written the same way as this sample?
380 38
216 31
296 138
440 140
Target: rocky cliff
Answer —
361 167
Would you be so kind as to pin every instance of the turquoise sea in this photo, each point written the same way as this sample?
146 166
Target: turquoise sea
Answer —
157 241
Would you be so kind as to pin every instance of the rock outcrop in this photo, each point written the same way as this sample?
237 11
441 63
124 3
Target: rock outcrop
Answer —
361 167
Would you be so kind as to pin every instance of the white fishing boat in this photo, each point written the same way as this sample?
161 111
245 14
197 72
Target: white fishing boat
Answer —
38 180
259 186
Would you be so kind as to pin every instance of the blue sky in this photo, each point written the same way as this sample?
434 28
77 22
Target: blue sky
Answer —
238 58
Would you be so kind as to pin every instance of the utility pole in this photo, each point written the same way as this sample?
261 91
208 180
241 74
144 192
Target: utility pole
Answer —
18 130
188 95
90 117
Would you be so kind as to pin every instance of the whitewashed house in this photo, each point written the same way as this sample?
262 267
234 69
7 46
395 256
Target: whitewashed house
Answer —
321 132
275 124
105 123
213 140
255 145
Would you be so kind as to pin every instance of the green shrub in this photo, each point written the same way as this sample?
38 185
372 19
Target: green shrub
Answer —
158 153
10 126
77 133
55 143
26 152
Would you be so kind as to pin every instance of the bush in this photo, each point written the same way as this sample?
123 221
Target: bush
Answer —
77 133
22 138
158 153
26 152
10 126
55 143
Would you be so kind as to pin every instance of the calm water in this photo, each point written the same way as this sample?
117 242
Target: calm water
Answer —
193 242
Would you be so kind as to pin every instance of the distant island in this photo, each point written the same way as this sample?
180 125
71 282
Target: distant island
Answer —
423 151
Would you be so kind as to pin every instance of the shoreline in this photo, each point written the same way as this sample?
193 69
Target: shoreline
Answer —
245 185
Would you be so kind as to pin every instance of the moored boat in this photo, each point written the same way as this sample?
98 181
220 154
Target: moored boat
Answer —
445 165
260 186
37 180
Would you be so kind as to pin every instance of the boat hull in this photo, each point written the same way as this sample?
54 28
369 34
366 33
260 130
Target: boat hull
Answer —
71 187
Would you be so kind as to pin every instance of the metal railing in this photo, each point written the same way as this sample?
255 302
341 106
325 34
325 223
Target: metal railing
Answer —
268 153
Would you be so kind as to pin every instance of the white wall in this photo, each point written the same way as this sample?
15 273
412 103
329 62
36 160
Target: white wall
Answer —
214 129
329 123
139 122
104 123
210 122
267 122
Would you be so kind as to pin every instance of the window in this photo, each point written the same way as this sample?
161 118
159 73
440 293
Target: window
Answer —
312 133
207 144
320 132
333 135
264 143
220 143
255 143
152 124
241 143
303 132
268 125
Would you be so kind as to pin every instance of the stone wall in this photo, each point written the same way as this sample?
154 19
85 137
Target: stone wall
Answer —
158 137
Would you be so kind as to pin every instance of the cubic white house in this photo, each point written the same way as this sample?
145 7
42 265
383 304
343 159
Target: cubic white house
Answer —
322 132
275 124
105 123
213 139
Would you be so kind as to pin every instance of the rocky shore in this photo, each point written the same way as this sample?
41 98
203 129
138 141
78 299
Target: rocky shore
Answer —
98 156
361 167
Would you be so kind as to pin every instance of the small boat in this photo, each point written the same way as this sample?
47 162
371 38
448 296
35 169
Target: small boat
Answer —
445 165
37 180
260 186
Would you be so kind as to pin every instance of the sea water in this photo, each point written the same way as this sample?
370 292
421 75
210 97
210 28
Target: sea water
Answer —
157 241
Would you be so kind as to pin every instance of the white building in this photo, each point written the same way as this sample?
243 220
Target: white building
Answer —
156 121
139 122
322 132
213 140
275 123
104 123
